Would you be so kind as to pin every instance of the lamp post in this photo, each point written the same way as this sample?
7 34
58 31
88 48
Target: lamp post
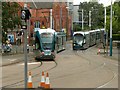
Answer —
71 13
82 20
61 18
106 31
111 30
67 22
90 20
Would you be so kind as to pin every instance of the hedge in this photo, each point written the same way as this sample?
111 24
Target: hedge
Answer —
116 37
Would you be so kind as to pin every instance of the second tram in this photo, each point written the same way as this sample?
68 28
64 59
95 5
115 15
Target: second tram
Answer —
83 40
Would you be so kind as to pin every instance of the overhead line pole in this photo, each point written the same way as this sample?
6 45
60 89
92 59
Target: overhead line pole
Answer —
111 30
60 18
90 20
106 32
82 20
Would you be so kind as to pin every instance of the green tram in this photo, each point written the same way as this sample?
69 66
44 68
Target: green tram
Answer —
48 42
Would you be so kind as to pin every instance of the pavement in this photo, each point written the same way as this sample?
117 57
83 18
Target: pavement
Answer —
15 56
105 53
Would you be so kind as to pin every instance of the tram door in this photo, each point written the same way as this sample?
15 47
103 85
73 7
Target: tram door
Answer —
36 28
37 24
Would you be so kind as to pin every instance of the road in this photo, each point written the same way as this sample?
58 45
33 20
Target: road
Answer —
71 69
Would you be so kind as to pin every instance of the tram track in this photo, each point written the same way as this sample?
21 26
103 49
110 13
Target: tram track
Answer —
4 77
19 83
109 81
20 73
76 53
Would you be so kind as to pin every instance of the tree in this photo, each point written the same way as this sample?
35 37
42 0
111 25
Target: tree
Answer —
97 14
115 18
10 18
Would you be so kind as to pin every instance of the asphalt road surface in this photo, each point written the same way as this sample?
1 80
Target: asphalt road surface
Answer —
71 69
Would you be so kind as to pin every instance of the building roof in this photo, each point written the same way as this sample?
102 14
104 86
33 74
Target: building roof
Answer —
41 5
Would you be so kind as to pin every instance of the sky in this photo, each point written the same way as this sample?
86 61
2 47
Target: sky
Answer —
104 2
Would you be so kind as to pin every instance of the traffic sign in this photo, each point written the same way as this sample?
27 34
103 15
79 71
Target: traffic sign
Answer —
23 24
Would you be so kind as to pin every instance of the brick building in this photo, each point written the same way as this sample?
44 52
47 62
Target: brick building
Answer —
43 16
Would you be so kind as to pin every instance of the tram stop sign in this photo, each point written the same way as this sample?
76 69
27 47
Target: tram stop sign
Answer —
23 24
25 15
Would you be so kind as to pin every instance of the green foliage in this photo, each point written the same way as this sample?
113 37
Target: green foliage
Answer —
10 18
115 18
97 14
116 37
4 36
77 27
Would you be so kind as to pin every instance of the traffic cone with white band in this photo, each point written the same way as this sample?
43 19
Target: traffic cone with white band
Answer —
98 51
47 81
30 85
42 83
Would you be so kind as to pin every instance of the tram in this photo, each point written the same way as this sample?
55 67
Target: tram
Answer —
60 41
84 40
45 41
80 40
48 42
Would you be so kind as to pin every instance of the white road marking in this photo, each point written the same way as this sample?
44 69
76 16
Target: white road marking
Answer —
33 63
115 75
12 60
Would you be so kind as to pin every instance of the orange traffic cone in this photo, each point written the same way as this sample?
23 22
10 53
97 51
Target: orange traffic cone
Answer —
98 51
30 85
47 81
42 83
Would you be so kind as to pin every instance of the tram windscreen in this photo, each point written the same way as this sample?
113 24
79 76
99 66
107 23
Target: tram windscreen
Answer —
47 39
78 39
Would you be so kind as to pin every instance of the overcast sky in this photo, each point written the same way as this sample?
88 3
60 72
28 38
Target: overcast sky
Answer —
105 2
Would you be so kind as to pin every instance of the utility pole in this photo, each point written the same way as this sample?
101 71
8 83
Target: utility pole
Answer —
25 14
111 30
90 20
105 19
82 20
106 31
51 19
61 17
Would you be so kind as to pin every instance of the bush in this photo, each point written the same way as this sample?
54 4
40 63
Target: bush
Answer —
116 37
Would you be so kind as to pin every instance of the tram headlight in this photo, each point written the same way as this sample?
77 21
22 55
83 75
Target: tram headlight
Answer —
73 44
42 53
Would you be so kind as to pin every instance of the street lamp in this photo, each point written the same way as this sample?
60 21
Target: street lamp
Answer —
111 30
60 17
82 20
90 20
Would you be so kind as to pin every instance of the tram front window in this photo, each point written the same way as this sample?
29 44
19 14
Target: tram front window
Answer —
78 39
47 39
